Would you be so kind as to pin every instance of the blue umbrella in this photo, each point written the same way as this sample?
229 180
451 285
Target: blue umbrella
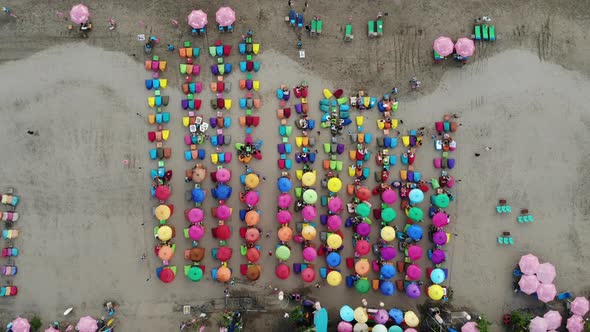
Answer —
284 185
415 232
346 313
221 192
198 195
333 259
437 276
387 271
397 315
387 288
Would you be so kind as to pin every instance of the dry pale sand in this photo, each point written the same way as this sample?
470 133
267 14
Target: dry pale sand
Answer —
82 209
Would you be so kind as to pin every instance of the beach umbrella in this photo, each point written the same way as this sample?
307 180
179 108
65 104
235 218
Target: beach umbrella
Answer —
195 273
388 233
436 292
528 284
396 315
335 204
440 219
197 19
415 232
283 253
362 267
395 328
439 238
443 46
284 201
309 254
285 234
346 313
284 184
252 218
195 215
308 275
198 195
252 235
223 175
387 288
411 319
363 193
441 201
309 213
469 327
580 306
51 329
414 272
360 315
415 252
251 198
388 215
334 184
79 14
222 232
223 274
529 264
553 319
360 327
162 193
252 180
284 217
437 276
465 47
162 212
546 273
308 179
85 324
344 327
416 196
334 241
334 222
334 278
438 256
546 292
379 327
363 229
196 254
410 330
362 286
225 16
224 254
22 325
253 272
363 209
538 324
253 255
221 192
308 233
310 196
223 212
165 253
387 271
388 253
388 196
362 247
415 214
333 259
164 233
575 324
167 275
413 291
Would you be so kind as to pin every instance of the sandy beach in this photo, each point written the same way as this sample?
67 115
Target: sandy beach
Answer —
86 215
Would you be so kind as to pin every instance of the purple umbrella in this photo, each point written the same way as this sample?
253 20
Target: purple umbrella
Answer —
309 254
438 256
381 317
223 212
415 252
335 204
413 291
413 272
363 229
284 217
251 198
195 215
196 232
440 219
309 213
334 222
388 253
285 200
388 196
439 238
528 284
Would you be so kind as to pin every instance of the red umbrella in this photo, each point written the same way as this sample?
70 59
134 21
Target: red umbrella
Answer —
224 254
162 193
363 193
362 247
308 275
282 271
222 232
252 235
167 275
253 255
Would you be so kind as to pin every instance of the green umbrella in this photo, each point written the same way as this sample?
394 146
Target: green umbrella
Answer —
283 253
362 286
363 209
415 214
310 196
195 273
388 215
441 201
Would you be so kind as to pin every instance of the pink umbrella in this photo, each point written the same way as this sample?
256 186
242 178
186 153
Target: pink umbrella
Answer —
225 16
284 217
443 46
196 215
51 329
309 213
388 196
538 324
546 292
469 327
440 219
415 252
87 324
363 229
285 200
579 306
553 319
251 198
413 272
79 14
223 175
528 284
309 254
546 273
411 329
575 324
335 204
334 222
197 19
529 264
465 47
223 212
21 325
196 232
344 327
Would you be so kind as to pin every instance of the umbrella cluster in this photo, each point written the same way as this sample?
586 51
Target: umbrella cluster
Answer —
222 232
353 320
251 233
537 278
444 46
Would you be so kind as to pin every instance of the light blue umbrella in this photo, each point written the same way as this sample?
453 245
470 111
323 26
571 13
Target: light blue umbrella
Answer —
437 276
347 313
395 328
416 196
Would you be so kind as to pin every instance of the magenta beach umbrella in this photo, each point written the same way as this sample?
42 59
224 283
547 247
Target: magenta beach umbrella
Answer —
580 306
414 272
388 196
284 217
529 264
439 238
251 198
223 212
538 324
223 175
575 324
381 317
546 292
443 46
225 16
284 200
334 222
309 254
196 215
415 252
309 213
335 204
440 219
413 291
363 229
465 47
528 284
195 232
79 14
438 256
388 253
553 319
197 19
362 247
546 273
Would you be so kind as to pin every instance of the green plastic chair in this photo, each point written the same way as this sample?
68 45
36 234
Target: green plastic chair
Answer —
500 240
485 32
478 32
492 33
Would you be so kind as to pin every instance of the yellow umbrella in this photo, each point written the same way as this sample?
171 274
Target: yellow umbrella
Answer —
411 319
162 212
308 233
436 292
334 241
334 185
360 315
252 181
388 233
165 233
334 278
308 179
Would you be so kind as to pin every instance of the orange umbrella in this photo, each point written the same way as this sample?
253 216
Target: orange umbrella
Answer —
285 234
362 267
253 272
223 274
252 218
165 253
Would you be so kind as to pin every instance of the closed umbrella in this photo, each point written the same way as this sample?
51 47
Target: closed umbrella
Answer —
164 233
22 325
309 254
415 232
362 267
253 255
79 14
310 196
363 229
388 196
388 233
441 201
553 319
224 254
580 306
223 212
309 213
346 313
528 284
334 241
443 46
251 198
388 253
225 16
439 238
253 272
195 273
546 273
440 219
436 292
362 247
283 253
415 213
165 253
416 196
413 272
334 185
415 252
363 193
223 175
334 278
411 319
308 233
388 215
162 212
437 276
529 264
252 180
438 256
387 271
360 315
362 286
308 275
538 324
284 217
252 218
363 209
396 315
469 327
344 327
284 184
387 288
86 324
413 291
162 193
334 222
284 201
575 324
223 274
252 235
285 234
195 215
308 179
546 292
333 259
465 47
335 204
379 328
